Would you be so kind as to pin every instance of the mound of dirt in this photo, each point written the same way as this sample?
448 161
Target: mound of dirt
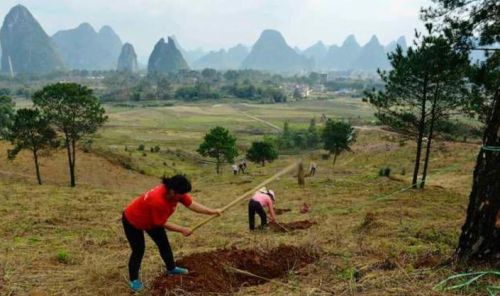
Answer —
281 211
297 225
214 272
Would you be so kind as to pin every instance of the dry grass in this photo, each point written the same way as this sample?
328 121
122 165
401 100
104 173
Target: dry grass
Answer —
368 245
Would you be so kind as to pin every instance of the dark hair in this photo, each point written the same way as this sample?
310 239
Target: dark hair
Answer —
178 183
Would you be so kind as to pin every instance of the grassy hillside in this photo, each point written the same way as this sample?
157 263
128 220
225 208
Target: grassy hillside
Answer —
372 238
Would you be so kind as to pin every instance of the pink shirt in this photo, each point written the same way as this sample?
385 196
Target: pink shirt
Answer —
264 200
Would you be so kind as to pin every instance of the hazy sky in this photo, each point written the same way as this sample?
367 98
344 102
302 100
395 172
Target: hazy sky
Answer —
212 24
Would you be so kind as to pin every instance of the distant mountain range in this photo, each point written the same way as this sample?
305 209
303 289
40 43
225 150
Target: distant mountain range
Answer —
26 48
223 59
83 48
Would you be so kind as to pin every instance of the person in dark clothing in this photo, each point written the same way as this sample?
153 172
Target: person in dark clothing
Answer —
150 213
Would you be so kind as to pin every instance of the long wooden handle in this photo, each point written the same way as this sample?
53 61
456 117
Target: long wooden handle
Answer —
245 195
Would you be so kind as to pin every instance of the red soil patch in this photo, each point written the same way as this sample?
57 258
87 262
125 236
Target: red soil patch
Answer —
297 225
211 273
281 211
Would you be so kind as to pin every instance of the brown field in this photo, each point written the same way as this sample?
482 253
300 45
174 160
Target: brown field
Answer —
371 238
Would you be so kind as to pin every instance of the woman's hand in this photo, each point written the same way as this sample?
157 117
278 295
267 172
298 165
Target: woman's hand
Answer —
217 212
173 227
186 231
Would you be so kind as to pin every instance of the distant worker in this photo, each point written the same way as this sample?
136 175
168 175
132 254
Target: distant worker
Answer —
264 198
235 169
150 213
242 166
312 169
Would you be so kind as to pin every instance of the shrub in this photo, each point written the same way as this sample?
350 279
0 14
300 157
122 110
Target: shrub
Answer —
141 147
87 145
62 257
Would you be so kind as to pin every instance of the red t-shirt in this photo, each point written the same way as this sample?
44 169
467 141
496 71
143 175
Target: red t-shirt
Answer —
152 209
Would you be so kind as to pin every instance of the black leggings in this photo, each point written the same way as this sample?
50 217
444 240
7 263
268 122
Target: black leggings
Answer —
256 207
135 238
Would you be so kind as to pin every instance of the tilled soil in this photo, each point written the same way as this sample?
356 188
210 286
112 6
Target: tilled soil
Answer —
214 272
297 225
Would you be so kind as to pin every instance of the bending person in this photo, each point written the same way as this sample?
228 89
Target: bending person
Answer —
150 213
263 198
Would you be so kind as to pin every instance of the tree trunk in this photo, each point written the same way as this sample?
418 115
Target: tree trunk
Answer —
70 160
429 144
421 129
335 158
480 238
217 165
37 167
73 163
301 175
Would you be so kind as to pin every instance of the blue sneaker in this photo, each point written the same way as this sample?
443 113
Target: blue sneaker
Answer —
178 271
135 285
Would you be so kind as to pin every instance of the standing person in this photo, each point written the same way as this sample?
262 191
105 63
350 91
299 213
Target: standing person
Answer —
235 169
241 168
244 163
150 213
312 169
263 198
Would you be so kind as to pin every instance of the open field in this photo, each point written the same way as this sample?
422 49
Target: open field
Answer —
371 238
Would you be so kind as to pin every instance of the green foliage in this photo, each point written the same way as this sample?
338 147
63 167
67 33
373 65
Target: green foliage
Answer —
219 144
87 145
7 115
425 78
244 90
32 131
260 152
62 257
5 92
484 77
164 89
74 110
426 85
276 95
313 136
141 147
337 137
197 92
299 139
209 74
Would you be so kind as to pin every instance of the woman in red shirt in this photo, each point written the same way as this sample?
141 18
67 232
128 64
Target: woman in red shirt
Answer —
150 212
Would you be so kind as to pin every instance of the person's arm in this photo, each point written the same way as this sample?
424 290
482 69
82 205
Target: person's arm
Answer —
201 209
271 212
176 228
